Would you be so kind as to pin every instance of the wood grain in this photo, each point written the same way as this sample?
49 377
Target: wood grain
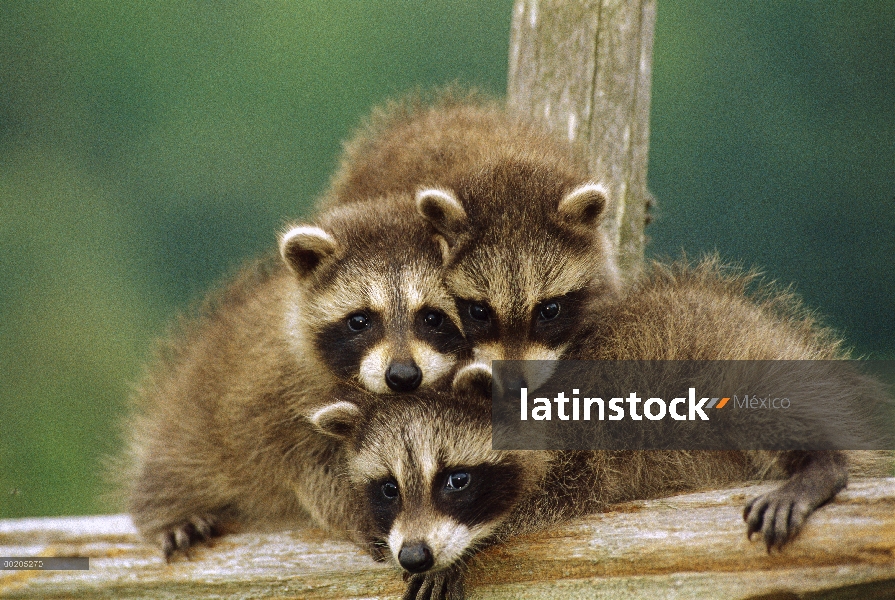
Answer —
690 547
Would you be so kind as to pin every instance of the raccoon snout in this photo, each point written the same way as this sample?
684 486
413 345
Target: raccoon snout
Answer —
403 377
416 557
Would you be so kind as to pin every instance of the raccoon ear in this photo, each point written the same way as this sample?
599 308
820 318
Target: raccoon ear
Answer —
473 379
444 212
304 247
336 420
584 205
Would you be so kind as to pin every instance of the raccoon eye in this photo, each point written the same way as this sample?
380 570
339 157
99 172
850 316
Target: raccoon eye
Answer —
549 310
358 322
457 481
479 312
390 490
433 319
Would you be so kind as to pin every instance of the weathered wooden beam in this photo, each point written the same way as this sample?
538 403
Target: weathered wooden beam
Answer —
584 68
687 547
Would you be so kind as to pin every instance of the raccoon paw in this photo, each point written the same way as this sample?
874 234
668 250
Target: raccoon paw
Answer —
440 585
778 516
181 537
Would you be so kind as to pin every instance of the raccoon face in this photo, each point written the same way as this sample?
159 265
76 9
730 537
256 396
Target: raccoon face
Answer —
387 333
433 487
526 274
372 306
439 523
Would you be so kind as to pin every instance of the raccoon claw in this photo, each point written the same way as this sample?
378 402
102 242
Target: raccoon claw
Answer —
440 585
777 516
186 535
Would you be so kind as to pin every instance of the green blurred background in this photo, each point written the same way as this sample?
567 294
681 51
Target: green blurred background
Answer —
146 149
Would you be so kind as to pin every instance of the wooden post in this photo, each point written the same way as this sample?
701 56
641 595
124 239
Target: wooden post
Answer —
584 67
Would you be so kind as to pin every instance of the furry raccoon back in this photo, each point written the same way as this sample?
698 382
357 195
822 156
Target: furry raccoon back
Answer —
704 310
432 139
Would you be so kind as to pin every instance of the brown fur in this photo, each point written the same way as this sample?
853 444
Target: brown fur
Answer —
705 311
217 433
434 139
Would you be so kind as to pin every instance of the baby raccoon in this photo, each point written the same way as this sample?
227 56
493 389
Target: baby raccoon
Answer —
423 471
357 298
436 492
515 210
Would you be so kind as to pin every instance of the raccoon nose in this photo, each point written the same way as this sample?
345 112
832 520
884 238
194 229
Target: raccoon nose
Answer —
416 557
403 377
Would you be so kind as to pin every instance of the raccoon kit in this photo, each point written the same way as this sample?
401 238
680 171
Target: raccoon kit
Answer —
516 213
357 298
435 492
